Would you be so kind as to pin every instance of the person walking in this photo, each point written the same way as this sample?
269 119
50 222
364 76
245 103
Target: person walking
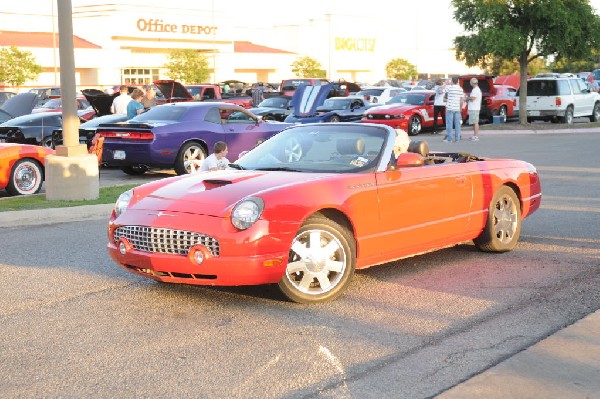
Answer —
439 106
257 94
454 105
474 104
217 160
119 104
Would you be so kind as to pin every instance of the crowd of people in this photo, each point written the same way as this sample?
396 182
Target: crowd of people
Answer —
134 103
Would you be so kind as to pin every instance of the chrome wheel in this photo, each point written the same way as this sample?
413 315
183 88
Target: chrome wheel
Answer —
502 111
334 119
25 178
503 225
190 159
320 263
414 125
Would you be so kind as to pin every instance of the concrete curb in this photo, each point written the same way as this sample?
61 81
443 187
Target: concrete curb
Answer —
55 215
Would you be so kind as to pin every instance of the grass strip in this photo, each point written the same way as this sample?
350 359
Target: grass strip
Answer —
108 195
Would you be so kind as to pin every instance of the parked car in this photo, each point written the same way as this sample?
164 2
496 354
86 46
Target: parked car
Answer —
87 130
410 111
84 110
312 204
379 95
180 135
560 100
335 109
18 105
21 167
274 108
502 102
289 86
35 129
307 98
45 94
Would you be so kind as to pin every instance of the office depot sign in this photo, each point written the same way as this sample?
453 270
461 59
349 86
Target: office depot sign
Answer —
159 26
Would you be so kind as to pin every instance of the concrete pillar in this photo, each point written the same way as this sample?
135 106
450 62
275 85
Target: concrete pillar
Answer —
71 174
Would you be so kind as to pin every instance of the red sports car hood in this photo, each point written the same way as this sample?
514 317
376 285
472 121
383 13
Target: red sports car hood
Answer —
396 108
212 193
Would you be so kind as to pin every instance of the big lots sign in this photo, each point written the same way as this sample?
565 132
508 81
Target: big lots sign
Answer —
157 25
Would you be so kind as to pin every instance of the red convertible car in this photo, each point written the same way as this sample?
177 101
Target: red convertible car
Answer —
22 167
410 111
313 203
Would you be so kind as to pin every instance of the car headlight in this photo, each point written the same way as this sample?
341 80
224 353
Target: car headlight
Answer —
247 212
123 202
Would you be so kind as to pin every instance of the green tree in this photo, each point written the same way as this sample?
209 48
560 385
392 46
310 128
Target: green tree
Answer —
17 67
525 30
307 67
188 66
400 69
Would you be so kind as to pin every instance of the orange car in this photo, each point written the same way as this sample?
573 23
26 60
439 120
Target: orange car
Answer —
22 168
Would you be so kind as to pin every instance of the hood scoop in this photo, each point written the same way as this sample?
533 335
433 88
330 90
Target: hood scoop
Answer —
209 184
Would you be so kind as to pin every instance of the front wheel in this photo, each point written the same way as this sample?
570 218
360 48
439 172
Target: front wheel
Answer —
334 119
26 177
503 225
189 159
414 125
321 262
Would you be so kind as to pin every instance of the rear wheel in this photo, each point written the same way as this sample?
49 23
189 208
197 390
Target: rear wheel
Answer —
596 113
321 262
414 125
502 111
134 170
189 159
26 177
334 119
568 118
503 225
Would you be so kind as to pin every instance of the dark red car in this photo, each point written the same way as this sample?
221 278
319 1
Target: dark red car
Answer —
496 99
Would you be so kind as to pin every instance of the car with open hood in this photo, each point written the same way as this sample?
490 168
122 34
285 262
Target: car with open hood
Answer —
496 99
180 136
313 203
335 109
18 105
306 100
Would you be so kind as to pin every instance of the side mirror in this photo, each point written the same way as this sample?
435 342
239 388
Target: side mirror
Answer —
409 160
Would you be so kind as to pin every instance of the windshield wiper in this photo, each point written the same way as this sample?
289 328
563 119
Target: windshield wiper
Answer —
236 166
280 168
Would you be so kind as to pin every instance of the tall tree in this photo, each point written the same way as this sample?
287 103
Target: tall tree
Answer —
525 30
17 67
307 67
400 69
188 66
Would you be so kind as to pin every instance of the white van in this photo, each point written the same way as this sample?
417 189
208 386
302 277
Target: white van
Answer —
560 99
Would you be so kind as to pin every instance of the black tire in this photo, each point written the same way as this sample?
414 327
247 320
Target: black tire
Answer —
568 118
503 225
47 142
307 281
503 111
414 125
190 158
26 177
595 113
134 170
334 119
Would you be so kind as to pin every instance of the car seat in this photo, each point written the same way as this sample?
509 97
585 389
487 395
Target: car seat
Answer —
350 146
419 147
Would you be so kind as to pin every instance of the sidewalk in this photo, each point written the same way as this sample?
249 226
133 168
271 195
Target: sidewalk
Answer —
564 365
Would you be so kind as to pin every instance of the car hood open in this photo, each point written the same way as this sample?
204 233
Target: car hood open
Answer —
307 98
99 100
173 91
21 104
213 193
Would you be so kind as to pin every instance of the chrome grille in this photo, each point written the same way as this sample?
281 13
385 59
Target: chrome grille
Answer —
165 241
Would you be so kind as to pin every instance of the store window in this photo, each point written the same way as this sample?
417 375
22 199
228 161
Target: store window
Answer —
139 76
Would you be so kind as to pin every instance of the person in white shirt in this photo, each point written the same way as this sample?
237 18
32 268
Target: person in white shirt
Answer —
439 106
474 104
454 105
119 105
217 160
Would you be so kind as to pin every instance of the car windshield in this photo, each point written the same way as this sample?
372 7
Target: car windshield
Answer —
407 98
336 104
370 92
167 112
275 102
331 148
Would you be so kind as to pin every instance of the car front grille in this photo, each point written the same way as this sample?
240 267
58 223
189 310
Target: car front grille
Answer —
165 241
